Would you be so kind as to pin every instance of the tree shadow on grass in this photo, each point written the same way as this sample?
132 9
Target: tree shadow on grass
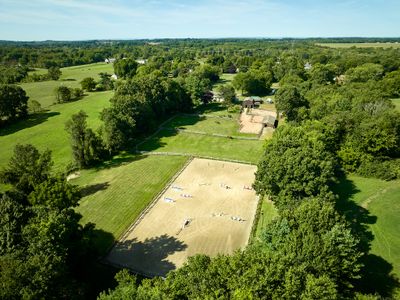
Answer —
118 160
149 257
376 274
210 108
30 121
183 121
93 188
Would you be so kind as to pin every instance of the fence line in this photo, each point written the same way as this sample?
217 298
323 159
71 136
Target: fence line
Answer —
153 201
195 156
211 134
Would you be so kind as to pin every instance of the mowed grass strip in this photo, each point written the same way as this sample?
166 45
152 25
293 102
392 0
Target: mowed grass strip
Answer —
208 125
268 213
46 130
119 194
43 92
204 145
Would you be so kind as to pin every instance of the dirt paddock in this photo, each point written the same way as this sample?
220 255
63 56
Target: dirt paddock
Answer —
213 197
251 121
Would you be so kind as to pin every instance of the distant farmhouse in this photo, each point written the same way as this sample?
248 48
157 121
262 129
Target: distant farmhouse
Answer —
252 102
217 97
141 61
307 66
109 60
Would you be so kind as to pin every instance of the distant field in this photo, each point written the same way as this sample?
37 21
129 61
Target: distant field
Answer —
208 125
381 199
360 45
194 144
46 130
396 102
116 195
43 92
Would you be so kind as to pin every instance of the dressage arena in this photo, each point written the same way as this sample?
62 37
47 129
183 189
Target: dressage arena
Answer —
208 209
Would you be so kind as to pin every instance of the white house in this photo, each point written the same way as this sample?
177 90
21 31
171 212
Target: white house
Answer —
109 60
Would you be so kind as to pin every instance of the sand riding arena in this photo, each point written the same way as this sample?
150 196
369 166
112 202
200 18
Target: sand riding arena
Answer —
208 209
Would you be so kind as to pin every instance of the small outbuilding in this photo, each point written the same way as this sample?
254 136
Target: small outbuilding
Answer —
270 121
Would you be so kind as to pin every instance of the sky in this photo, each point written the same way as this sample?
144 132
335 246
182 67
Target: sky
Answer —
33 20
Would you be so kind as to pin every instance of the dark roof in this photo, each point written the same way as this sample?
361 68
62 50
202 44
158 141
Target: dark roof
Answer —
269 120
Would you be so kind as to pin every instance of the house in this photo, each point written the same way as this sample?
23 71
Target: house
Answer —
307 66
270 121
109 60
141 61
248 103
339 79
252 102
217 97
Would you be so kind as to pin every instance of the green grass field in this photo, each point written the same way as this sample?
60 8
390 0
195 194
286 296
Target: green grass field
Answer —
267 213
396 102
43 92
204 145
116 195
360 45
46 130
375 205
208 125
382 199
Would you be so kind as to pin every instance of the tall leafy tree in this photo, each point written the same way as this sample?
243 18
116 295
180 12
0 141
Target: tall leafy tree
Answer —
13 102
54 73
86 146
125 68
27 168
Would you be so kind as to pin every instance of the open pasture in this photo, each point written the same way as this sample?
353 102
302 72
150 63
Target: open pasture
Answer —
204 145
208 125
360 45
375 203
46 130
208 208
43 91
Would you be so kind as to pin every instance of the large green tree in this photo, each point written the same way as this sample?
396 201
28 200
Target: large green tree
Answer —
27 168
296 166
13 102
125 68
86 145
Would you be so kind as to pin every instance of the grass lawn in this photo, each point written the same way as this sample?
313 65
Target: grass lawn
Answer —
360 45
396 102
46 130
208 125
375 204
43 92
195 144
116 195
267 214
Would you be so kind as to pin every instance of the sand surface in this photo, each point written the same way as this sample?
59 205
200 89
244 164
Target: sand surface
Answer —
158 244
